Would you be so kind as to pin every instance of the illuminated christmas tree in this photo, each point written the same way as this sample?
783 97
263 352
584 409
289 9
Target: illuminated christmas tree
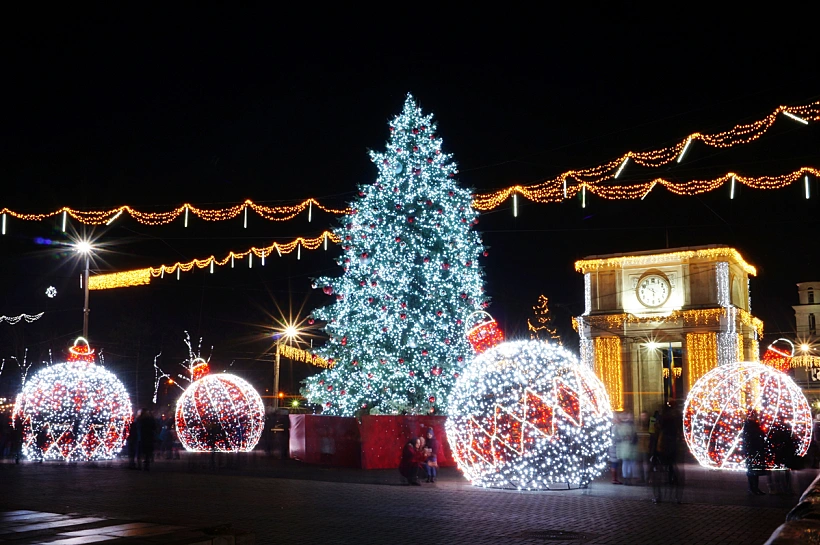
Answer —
542 329
411 280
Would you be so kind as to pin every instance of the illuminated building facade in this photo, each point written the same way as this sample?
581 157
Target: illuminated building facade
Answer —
656 321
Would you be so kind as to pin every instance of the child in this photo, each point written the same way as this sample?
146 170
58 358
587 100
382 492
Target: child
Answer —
431 465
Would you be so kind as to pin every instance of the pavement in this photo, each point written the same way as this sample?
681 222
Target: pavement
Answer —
258 497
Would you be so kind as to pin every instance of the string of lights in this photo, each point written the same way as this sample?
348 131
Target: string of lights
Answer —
564 186
14 320
139 277
105 217
608 369
688 318
304 356
702 350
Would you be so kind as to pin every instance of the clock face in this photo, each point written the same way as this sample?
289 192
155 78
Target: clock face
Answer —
653 290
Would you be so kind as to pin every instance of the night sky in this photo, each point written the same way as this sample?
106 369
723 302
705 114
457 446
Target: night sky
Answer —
213 108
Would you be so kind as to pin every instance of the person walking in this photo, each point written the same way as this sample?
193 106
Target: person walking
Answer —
754 445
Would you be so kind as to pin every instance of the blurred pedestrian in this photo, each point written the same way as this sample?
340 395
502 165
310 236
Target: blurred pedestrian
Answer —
625 449
669 475
165 441
754 446
133 441
16 440
643 453
781 450
147 434
431 463
175 444
614 462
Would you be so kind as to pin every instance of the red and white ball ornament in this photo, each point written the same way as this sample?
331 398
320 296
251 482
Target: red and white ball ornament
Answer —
527 415
73 411
721 400
219 412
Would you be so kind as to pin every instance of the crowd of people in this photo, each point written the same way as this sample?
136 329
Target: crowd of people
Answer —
146 434
646 452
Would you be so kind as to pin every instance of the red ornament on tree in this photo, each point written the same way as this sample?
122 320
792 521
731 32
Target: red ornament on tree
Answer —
483 331
328 290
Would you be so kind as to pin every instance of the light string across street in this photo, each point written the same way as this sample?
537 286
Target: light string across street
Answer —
564 186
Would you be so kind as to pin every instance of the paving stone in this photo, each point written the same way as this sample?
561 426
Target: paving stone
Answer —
283 501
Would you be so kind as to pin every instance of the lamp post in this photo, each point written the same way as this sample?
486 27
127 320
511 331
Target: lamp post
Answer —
85 248
288 333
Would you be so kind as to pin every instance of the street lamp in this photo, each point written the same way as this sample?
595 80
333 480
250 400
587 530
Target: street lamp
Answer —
84 247
288 333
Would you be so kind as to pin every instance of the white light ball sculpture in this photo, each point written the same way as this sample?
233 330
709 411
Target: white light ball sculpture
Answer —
73 411
719 402
219 412
527 415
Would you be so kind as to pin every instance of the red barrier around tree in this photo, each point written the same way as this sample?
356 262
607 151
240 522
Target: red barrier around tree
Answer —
374 443
326 440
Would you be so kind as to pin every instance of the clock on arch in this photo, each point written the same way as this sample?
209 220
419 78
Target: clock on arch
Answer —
653 290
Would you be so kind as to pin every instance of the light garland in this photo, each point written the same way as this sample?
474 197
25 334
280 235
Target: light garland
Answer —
702 355
554 190
304 356
14 320
73 411
526 415
687 318
219 412
124 279
105 217
551 191
804 361
141 277
587 265
607 352
718 404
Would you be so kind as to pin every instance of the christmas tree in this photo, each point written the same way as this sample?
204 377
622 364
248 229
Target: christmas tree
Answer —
411 279
542 329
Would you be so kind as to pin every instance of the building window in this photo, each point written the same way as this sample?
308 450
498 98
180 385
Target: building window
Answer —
811 296
812 325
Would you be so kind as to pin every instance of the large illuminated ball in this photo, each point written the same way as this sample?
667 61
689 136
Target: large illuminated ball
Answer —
526 415
219 412
73 411
719 402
